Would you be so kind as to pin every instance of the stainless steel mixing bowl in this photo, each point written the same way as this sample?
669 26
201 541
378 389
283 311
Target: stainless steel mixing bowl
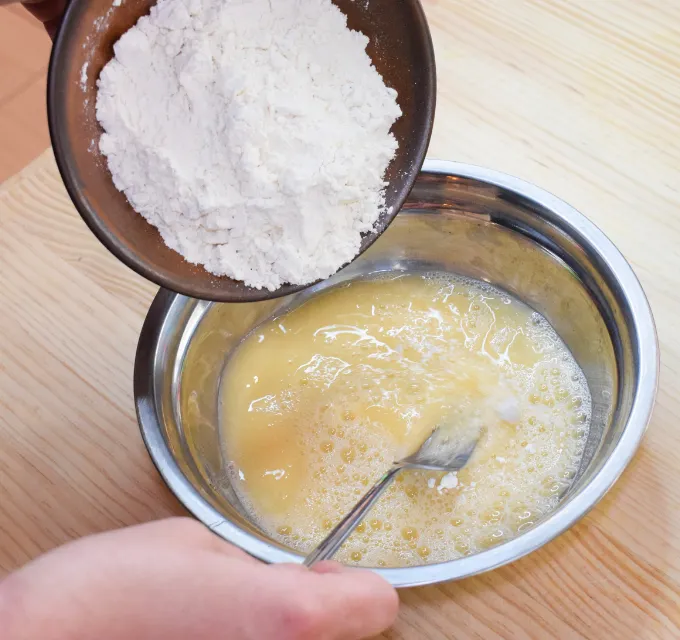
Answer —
459 218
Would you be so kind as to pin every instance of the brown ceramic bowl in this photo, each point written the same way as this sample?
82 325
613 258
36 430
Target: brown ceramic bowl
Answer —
400 47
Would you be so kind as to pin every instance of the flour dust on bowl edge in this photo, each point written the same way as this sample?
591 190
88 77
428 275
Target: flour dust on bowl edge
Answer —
462 219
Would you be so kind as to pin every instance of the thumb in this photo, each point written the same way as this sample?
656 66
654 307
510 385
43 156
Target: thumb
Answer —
49 12
354 603
329 566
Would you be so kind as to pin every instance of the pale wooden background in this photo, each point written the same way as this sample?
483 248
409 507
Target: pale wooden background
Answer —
579 96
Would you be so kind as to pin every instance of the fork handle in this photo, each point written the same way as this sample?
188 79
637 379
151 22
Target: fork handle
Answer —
335 539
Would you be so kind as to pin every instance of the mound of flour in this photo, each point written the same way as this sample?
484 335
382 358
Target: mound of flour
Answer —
254 134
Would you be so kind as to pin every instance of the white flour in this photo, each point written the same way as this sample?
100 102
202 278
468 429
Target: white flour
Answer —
253 133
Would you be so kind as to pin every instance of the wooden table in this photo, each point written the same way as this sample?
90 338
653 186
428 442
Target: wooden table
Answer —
581 97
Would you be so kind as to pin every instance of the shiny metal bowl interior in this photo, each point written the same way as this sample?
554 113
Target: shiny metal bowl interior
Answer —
462 219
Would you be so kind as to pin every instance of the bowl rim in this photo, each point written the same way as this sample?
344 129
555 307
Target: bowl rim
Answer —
555 524
145 268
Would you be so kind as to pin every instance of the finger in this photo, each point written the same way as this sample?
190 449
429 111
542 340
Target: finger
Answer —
328 566
49 12
184 533
373 602
288 567
325 566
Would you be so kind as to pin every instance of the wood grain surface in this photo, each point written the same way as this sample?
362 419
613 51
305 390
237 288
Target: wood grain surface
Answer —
581 97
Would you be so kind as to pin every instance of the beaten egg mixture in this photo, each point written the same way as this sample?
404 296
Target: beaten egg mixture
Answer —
318 402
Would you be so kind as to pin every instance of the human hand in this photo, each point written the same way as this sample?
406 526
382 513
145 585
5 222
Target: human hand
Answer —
175 580
49 12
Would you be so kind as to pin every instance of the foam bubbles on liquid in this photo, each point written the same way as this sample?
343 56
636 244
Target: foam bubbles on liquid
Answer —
377 362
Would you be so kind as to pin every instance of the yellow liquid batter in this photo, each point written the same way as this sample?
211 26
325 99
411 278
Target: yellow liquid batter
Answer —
318 403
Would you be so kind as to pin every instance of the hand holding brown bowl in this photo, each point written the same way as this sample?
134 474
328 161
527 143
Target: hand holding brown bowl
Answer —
49 12
143 583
